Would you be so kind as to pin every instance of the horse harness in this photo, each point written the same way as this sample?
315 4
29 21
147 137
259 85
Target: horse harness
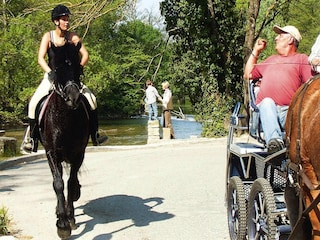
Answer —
297 167
293 166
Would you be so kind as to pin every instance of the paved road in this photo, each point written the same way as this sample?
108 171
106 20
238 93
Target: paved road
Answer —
169 191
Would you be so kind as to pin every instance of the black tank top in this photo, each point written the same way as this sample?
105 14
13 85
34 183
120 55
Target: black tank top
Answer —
65 60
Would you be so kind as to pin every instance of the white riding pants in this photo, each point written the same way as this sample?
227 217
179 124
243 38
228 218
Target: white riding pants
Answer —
44 88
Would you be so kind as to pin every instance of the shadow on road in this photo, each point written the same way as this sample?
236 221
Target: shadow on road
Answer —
121 207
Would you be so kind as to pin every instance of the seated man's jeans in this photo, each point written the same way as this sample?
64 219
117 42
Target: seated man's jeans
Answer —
273 119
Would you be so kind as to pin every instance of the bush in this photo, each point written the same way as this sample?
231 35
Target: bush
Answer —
9 119
214 114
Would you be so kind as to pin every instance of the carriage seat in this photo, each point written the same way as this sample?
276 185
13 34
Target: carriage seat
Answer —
239 122
243 148
255 127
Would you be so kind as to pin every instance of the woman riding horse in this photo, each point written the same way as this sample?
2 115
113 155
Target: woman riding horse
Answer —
63 47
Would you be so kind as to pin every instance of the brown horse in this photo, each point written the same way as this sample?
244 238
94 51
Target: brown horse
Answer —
303 141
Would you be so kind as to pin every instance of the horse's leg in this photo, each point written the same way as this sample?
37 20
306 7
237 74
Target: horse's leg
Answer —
64 230
301 231
311 194
73 192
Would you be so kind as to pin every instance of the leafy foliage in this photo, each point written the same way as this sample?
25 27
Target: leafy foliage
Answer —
119 51
207 49
211 41
4 221
202 54
120 65
304 15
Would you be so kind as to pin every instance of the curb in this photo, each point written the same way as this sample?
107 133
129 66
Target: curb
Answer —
41 153
22 159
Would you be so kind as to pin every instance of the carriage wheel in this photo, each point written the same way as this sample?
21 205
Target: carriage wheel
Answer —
261 221
237 209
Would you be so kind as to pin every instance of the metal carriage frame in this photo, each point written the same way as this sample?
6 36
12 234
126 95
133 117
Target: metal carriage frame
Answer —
255 182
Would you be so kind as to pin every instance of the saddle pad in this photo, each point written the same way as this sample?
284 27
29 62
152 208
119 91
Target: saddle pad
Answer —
44 107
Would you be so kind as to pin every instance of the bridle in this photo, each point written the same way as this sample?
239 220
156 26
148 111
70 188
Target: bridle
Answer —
61 90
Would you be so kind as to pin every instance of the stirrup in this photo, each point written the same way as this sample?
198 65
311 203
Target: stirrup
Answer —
27 146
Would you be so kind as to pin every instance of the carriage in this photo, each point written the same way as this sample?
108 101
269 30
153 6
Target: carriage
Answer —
255 185
257 180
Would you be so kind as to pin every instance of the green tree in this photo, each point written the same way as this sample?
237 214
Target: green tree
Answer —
305 16
216 37
208 47
202 54
22 26
129 55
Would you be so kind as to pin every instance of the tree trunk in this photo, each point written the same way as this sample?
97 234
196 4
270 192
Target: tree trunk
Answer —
253 12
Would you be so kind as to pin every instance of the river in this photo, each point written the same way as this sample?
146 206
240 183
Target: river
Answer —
133 131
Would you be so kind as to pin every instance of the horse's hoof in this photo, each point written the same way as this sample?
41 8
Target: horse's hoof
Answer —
73 224
64 234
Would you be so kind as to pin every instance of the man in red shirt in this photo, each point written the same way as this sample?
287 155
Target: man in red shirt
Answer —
281 75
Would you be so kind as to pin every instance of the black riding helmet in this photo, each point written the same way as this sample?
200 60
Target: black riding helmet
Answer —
59 11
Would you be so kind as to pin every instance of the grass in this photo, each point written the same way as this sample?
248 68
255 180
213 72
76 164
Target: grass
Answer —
5 226
4 221
4 157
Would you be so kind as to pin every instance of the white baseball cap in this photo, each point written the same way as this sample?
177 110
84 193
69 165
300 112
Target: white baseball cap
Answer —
292 30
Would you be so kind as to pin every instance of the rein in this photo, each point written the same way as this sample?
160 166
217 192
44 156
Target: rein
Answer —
286 63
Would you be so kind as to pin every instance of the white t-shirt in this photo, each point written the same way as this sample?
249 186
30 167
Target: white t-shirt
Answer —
151 94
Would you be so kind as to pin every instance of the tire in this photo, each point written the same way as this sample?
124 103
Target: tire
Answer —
261 205
237 209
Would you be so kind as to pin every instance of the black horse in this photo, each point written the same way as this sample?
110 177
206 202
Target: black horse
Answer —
64 133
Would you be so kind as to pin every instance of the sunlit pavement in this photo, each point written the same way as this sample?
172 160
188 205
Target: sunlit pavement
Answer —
167 191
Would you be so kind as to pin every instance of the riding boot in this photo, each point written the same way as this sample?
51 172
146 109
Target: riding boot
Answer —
30 140
95 136
34 134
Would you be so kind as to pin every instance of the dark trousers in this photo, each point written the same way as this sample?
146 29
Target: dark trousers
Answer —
167 122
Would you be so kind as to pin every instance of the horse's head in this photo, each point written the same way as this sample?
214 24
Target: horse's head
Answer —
70 92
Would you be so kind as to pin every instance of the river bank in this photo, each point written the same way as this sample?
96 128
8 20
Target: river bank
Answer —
124 132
